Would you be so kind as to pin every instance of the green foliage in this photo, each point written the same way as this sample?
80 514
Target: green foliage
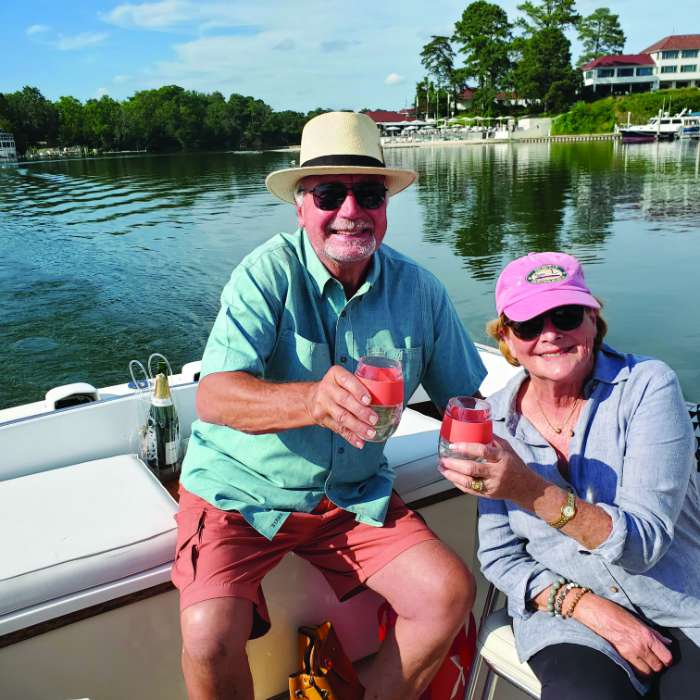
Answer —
437 57
601 34
587 118
168 118
544 74
548 14
483 34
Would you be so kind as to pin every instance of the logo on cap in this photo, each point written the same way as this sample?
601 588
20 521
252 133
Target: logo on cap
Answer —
544 274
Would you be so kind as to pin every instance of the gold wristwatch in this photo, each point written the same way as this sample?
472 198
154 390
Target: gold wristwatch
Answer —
568 511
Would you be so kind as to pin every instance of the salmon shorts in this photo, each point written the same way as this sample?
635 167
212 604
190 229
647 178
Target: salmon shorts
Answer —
219 555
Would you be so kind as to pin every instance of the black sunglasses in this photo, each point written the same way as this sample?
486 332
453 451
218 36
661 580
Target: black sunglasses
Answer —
563 318
331 195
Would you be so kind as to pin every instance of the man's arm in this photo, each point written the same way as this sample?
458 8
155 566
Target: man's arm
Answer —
239 400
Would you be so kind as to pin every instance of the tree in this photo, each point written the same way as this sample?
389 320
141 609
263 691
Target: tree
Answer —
549 14
601 34
544 73
71 122
437 57
484 34
32 118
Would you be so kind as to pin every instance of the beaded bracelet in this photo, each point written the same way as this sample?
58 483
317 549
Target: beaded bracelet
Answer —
561 597
553 592
582 590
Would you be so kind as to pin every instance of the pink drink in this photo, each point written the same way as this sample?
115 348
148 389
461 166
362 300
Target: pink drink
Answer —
383 380
466 419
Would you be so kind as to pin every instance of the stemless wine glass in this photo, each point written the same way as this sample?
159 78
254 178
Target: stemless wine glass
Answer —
383 379
466 419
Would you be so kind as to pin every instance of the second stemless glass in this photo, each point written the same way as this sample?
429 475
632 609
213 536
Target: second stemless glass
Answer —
466 419
383 378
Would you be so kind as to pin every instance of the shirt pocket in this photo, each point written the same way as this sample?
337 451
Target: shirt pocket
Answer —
298 359
411 360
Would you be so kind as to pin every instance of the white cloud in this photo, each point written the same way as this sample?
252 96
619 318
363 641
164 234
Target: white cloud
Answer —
393 79
37 29
101 92
120 79
80 41
170 14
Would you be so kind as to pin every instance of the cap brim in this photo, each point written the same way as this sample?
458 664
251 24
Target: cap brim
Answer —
282 183
535 305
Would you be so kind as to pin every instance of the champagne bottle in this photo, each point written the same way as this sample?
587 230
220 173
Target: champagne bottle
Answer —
162 437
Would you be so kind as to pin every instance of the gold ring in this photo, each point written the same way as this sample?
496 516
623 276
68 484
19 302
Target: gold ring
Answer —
477 485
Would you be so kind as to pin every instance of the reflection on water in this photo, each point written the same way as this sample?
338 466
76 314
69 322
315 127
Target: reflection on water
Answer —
104 260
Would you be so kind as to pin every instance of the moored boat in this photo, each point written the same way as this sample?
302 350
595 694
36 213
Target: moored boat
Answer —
662 127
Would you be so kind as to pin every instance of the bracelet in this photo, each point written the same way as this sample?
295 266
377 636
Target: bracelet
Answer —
581 592
561 597
553 592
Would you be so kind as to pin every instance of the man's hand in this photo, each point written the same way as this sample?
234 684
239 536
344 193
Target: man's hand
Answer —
640 645
340 402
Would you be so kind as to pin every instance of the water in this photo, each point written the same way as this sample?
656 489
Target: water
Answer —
107 260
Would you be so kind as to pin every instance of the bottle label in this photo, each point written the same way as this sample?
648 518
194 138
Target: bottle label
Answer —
161 402
171 450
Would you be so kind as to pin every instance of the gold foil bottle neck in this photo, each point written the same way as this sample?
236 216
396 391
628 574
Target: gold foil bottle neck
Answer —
161 390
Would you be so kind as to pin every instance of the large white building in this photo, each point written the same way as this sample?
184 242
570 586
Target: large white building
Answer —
672 62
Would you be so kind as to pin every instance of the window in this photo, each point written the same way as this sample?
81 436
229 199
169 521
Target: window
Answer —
589 74
689 68
646 70
689 53
606 72
624 72
668 69
669 54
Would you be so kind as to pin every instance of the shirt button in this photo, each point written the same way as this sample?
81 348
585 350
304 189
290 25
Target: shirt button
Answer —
341 450
614 589
343 358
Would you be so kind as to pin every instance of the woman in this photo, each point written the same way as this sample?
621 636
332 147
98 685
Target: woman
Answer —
590 506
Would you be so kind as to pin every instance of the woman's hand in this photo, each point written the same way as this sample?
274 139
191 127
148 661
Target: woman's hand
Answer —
503 474
640 645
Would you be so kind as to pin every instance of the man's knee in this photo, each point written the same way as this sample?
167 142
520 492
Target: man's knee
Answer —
215 630
454 595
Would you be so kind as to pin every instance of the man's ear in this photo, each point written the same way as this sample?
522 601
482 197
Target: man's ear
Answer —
300 213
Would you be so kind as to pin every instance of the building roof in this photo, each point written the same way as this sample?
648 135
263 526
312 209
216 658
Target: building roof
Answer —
467 93
676 41
628 59
385 115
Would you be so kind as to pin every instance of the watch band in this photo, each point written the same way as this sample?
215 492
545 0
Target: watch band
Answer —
568 511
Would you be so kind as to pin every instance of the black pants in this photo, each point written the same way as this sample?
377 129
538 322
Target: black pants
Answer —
573 672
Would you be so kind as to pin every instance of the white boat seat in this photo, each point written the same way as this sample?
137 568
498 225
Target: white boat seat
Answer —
497 647
77 527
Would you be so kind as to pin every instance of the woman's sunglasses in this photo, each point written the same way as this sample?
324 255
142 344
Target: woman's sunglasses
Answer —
563 318
331 195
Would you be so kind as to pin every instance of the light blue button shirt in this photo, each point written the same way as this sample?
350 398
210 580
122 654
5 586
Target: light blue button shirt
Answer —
284 318
632 454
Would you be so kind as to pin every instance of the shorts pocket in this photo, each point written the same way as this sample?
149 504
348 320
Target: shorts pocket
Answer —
190 524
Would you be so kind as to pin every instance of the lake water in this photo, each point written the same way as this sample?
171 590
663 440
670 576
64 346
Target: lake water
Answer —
107 260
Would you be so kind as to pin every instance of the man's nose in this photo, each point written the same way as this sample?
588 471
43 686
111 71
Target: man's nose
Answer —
349 208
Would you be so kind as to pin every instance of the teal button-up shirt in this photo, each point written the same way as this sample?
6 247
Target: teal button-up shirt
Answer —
284 317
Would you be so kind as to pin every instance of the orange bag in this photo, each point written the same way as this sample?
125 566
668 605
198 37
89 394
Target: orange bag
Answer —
450 682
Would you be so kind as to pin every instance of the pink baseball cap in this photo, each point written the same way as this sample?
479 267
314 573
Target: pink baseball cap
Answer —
538 282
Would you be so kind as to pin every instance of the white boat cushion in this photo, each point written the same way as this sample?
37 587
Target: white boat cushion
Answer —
412 451
497 647
70 529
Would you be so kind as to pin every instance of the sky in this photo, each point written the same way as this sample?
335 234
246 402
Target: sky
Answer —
294 55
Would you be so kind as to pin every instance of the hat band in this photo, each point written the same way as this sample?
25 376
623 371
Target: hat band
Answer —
362 161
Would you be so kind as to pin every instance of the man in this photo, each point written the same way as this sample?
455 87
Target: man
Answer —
279 460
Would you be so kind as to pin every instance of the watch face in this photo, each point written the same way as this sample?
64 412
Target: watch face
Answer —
568 511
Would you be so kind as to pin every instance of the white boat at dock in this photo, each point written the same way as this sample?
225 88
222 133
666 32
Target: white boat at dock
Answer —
662 127
8 149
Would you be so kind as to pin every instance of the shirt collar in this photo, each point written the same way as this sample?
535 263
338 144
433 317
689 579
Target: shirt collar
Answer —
320 274
610 368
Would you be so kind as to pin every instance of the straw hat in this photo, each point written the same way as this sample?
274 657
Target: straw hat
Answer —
342 143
